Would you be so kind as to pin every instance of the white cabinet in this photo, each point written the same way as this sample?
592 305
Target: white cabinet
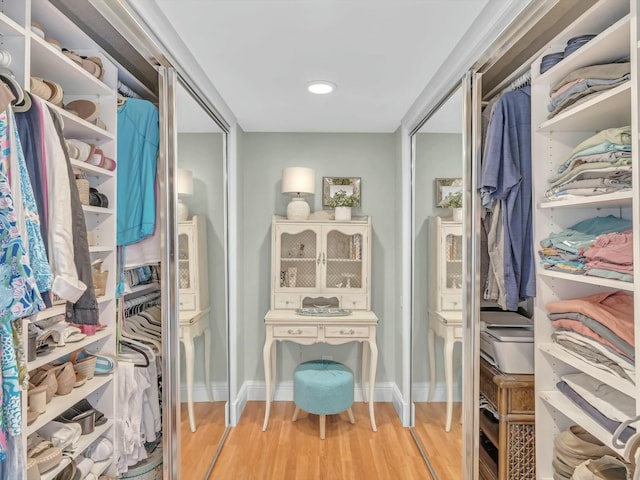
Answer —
445 264
552 140
193 280
321 264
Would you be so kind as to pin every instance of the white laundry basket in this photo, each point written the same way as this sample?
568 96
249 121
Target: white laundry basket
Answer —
148 469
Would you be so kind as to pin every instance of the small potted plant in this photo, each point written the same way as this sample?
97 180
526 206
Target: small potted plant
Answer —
342 202
454 202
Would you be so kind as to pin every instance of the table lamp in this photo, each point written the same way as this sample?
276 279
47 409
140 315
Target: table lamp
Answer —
185 189
298 181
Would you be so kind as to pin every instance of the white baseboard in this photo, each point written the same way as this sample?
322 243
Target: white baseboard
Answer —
220 392
401 405
420 392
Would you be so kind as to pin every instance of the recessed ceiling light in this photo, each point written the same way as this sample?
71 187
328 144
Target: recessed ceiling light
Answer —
320 87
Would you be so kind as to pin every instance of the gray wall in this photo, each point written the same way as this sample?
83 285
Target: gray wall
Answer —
438 155
202 153
373 158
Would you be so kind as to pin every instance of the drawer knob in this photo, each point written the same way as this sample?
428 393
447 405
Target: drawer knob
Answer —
297 331
351 331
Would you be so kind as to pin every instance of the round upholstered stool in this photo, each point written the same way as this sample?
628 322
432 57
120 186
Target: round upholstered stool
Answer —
323 387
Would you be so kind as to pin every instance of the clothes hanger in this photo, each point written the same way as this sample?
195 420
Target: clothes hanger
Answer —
140 339
137 349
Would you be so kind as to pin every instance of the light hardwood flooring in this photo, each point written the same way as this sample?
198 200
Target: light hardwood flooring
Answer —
293 450
444 449
198 448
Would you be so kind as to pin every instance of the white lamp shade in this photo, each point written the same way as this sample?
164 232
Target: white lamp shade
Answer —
185 182
298 181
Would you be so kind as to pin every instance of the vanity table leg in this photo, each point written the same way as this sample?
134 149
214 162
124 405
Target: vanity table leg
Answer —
448 378
431 346
188 356
372 382
266 358
274 355
365 358
207 362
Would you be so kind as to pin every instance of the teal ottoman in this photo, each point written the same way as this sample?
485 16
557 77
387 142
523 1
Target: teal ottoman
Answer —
323 387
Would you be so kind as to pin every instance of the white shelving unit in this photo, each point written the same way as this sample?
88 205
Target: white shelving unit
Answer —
33 56
616 25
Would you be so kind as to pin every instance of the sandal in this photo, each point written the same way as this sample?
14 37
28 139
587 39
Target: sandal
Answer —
42 451
47 378
68 473
74 413
63 332
63 435
65 377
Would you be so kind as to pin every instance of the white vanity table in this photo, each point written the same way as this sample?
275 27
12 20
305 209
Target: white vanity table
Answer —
193 289
359 326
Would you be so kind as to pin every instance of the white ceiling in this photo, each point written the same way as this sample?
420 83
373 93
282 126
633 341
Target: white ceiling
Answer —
259 54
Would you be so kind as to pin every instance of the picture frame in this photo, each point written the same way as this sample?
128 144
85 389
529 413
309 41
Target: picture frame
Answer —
446 186
331 185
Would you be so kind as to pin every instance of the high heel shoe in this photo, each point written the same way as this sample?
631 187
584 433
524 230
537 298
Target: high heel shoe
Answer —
47 378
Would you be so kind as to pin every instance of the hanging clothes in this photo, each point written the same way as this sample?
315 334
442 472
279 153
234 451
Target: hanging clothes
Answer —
138 143
506 177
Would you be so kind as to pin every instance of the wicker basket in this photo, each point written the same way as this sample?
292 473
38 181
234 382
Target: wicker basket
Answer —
85 365
82 183
100 282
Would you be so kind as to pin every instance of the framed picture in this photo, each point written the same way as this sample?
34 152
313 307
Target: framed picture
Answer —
445 187
331 185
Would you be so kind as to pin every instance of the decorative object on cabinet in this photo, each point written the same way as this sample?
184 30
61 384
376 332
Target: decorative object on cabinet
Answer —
342 202
298 181
335 262
454 202
185 189
446 187
193 264
323 387
349 185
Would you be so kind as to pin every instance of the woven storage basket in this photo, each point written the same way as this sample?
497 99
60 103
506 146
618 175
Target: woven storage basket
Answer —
100 282
86 365
83 188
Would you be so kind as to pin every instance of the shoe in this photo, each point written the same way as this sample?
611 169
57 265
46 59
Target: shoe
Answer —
100 450
43 453
73 413
46 377
37 401
68 473
32 470
65 436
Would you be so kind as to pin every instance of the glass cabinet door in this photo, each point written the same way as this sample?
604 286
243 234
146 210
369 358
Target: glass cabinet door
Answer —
343 259
299 259
452 262
185 279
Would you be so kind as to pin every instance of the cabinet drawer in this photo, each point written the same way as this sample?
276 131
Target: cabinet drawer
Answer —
286 301
187 301
292 331
451 302
346 331
354 302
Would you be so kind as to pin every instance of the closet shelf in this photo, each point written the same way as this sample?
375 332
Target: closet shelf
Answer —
91 209
9 28
611 108
622 199
60 403
51 312
600 281
609 46
84 442
567 408
100 249
86 167
59 352
49 63
76 127
558 353
141 288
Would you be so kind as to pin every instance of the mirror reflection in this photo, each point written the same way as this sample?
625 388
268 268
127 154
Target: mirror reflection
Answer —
437 288
201 284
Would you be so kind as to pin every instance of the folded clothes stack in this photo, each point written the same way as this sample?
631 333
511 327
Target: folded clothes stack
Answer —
579 85
550 60
600 164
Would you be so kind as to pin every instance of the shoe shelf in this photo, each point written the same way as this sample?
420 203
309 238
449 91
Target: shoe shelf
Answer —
60 403
59 352
91 209
83 443
9 28
76 127
88 168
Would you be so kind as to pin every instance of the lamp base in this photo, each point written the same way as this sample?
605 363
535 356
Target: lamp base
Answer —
182 212
298 209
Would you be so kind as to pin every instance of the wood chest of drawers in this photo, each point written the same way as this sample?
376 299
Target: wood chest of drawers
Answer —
507 444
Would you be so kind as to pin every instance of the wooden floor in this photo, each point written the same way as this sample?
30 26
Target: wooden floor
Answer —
444 449
198 448
293 450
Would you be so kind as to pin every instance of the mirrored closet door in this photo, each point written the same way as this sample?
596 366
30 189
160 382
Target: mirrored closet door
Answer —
437 287
201 277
